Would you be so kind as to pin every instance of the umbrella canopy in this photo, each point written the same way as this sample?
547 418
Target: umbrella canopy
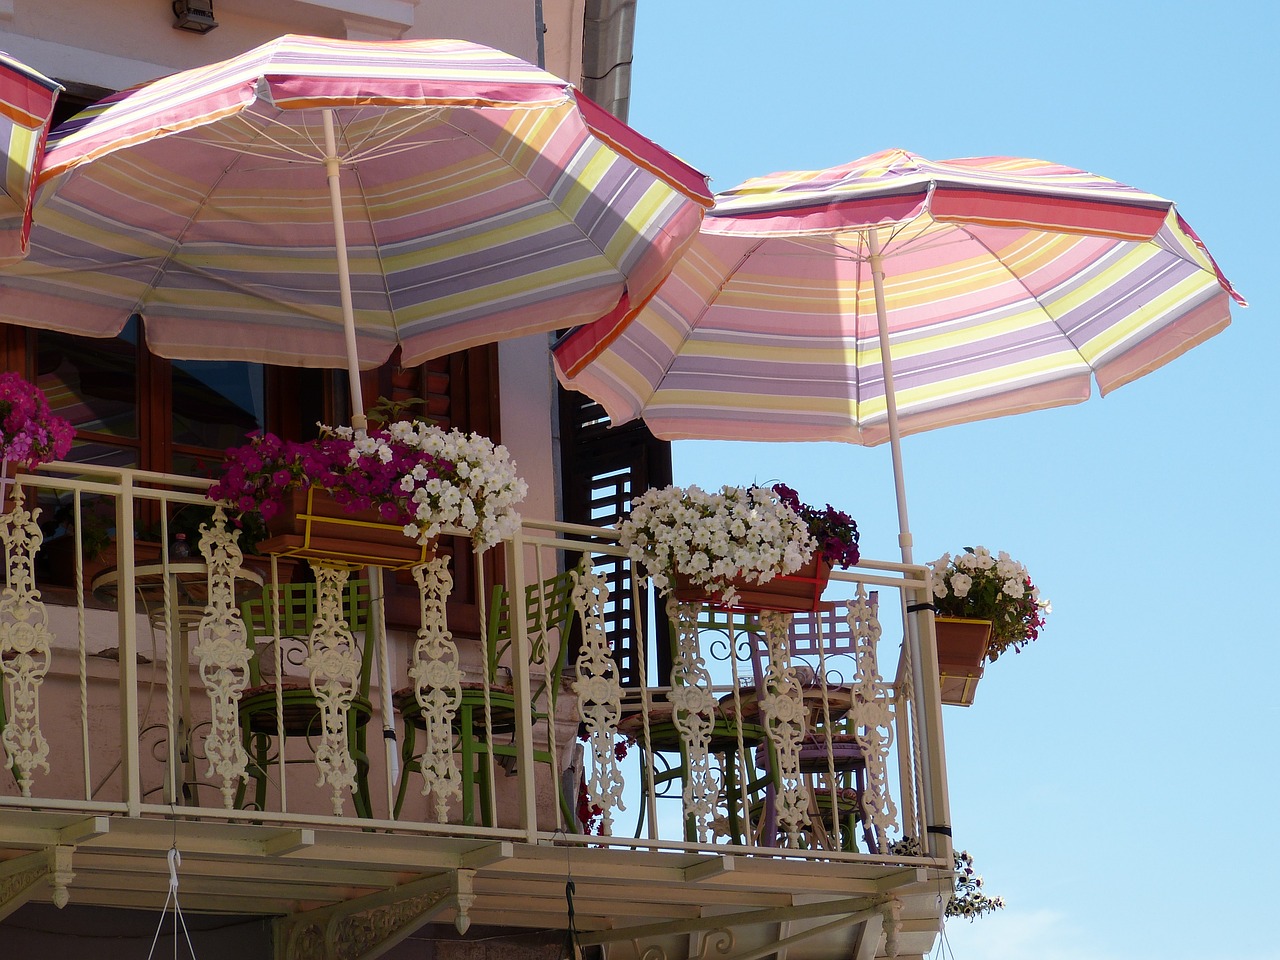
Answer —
26 107
442 194
1007 285
985 287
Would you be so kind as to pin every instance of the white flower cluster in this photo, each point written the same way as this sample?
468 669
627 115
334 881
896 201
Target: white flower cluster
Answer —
713 538
979 563
976 585
480 498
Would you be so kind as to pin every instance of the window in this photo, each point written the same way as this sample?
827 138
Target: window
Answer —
133 409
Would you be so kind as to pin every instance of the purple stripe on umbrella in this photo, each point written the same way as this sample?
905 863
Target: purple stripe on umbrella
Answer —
1130 295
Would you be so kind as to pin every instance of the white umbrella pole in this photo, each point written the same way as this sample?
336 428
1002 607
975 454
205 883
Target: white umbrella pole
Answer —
377 600
331 165
924 657
890 399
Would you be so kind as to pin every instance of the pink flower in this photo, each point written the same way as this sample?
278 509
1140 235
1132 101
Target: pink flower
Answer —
30 433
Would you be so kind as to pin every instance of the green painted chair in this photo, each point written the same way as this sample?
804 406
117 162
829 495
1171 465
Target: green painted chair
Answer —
484 740
295 608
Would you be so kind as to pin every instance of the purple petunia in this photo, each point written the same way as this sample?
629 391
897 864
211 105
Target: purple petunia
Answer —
835 531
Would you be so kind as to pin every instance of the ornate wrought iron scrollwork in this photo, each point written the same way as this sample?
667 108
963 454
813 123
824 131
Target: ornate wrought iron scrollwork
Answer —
333 668
783 708
599 693
222 653
693 714
24 644
437 686
872 719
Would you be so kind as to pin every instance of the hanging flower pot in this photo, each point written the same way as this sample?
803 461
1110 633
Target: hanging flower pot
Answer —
312 525
986 606
962 650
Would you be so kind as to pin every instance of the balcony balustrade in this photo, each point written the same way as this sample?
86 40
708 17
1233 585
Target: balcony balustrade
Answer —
782 782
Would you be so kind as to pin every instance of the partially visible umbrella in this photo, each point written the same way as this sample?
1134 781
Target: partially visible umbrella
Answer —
985 286
316 202
26 107
1008 285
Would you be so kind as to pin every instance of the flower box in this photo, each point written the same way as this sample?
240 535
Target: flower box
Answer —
411 474
311 525
797 592
692 544
962 649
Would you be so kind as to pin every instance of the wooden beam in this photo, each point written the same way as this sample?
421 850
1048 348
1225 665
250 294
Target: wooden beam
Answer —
366 927
487 855
868 943
289 841
711 867
84 830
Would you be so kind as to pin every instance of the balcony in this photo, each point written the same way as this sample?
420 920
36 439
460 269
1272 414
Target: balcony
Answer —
757 783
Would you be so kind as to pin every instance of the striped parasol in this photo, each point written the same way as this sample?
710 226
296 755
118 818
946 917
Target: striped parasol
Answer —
26 107
318 202
1008 285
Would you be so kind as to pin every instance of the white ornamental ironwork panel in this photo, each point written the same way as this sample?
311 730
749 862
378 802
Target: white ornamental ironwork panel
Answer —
872 720
333 667
693 712
599 693
222 655
783 709
24 644
437 686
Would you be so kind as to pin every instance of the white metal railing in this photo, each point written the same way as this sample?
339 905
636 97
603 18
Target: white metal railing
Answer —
220 690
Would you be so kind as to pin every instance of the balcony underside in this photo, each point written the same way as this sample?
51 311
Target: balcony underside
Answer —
378 887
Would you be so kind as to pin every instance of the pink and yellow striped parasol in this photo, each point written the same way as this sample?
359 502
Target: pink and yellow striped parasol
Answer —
26 107
318 202
1007 285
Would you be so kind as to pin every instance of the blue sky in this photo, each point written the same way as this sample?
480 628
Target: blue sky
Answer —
1116 780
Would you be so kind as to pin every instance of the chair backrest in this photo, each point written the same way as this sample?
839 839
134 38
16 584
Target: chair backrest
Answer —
295 608
548 607
824 632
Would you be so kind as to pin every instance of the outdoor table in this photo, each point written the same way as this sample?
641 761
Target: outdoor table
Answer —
188 580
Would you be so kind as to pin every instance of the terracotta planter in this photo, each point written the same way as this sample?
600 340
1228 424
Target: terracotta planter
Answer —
312 526
962 651
791 593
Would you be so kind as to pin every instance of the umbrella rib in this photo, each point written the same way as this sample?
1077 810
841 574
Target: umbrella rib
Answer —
996 258
377 251
288 153
176 243
568 219
692 323
249 289
391 133
257 134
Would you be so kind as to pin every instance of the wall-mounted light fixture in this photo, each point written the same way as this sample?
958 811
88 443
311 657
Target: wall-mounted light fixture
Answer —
196 15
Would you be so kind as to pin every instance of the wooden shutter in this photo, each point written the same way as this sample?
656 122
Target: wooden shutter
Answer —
603 467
